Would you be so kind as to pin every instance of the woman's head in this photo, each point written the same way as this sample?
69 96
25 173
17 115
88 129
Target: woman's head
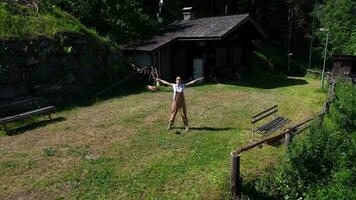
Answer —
178 80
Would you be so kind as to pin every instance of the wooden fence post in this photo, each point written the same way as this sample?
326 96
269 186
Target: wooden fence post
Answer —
287 138
235 176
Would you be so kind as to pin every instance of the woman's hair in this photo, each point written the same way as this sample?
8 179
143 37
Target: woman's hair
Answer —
178 77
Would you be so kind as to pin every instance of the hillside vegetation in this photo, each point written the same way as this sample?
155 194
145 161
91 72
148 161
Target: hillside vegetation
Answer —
47 52
22 21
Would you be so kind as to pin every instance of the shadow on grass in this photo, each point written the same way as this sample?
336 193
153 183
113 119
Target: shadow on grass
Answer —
33 125
249 192
265 80
211 129
204 128
120 91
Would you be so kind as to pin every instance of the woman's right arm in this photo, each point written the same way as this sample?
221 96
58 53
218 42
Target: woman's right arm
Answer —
164 82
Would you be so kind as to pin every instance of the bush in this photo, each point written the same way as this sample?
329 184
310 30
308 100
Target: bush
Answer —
322 164
121 20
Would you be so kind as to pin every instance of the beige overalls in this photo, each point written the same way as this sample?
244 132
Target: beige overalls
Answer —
178 104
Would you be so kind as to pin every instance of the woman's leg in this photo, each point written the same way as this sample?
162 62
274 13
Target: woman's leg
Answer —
183 112
174 111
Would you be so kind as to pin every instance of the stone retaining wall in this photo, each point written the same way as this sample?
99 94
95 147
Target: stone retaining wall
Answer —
62 67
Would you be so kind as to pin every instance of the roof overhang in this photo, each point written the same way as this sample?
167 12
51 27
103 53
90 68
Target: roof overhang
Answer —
247 19
199 38
226 34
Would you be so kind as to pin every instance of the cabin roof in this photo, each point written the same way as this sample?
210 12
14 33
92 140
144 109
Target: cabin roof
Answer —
212 28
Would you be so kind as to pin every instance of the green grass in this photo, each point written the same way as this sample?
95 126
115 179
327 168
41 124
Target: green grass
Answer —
119 148
19 21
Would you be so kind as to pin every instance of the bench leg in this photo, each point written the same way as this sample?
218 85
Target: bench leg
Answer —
49 116
287 139
253 131
5 128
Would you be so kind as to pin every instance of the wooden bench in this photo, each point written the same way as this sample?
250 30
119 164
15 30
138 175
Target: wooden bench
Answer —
23 109
271 126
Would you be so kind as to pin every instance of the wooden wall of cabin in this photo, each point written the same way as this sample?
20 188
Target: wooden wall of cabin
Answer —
232 56
162 61
165 62
342 68
179 61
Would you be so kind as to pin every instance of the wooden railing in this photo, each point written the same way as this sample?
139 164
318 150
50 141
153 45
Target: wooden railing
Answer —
287 135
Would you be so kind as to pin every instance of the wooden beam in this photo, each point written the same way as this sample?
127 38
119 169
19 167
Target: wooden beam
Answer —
292 130
268 109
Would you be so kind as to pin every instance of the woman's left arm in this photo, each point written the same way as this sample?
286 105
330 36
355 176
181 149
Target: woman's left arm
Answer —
194 81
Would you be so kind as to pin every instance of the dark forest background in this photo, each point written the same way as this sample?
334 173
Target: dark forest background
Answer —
291 25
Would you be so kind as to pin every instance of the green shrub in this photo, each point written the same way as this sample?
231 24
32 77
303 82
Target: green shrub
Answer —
122 20
322 164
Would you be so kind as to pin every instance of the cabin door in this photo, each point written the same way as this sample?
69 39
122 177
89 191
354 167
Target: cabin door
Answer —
198 67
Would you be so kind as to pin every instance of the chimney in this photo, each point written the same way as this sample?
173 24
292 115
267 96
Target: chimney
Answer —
187 13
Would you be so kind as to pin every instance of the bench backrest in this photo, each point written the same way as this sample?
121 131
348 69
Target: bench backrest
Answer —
268 112
20 106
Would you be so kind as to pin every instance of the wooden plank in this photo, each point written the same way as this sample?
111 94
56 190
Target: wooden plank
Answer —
268 109
273 138
302 123
260 117
269 125
276 126
267 140
27 114
279 126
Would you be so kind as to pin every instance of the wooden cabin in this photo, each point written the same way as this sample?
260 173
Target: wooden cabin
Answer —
344 66
212 47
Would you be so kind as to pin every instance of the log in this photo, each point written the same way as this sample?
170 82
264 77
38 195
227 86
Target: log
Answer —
235 175
267 140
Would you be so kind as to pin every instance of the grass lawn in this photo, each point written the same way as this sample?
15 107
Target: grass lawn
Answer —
120 149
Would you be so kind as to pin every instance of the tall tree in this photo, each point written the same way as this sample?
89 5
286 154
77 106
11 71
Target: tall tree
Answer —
340 18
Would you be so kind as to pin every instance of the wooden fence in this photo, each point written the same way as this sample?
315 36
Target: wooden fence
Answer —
287 135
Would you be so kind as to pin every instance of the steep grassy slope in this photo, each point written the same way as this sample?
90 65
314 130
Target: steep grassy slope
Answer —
23 21
47 52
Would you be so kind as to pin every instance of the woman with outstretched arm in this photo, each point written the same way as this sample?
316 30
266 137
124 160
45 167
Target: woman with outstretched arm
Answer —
178 100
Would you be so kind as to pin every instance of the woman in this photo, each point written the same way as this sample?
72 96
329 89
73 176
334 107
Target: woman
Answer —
178 100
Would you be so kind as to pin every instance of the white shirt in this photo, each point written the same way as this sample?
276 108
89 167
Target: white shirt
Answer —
178 88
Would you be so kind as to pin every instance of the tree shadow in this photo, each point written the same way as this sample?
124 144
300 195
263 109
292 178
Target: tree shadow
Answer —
33 125
249 192
118 92
266 81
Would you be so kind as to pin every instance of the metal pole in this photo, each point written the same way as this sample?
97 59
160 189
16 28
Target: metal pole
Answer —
326 48
312 36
